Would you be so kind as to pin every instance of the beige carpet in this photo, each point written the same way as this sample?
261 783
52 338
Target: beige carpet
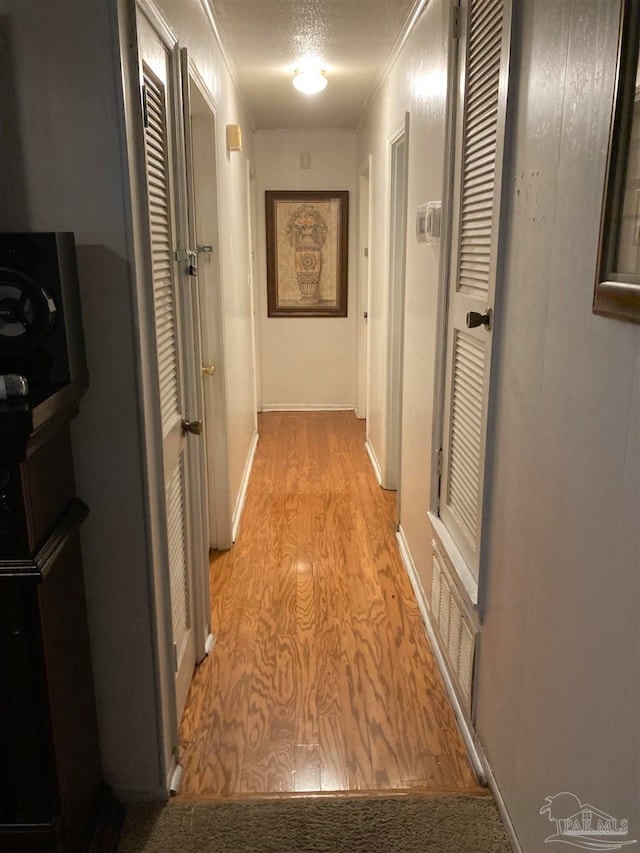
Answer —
428 824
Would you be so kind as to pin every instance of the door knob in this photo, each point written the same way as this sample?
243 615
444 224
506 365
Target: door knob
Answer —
475 319
193 427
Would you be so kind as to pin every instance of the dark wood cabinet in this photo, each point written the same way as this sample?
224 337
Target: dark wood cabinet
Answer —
52 797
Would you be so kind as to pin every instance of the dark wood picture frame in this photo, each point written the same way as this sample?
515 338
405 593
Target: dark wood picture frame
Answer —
307 252
616 293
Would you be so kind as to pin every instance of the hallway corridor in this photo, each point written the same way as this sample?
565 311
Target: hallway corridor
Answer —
321 678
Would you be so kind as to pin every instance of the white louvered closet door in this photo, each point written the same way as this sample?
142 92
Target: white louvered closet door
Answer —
484 28
168 319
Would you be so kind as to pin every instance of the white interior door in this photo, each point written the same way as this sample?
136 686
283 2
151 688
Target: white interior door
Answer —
173 319
483 63
198 371
363 295
202 194
395 337
253 284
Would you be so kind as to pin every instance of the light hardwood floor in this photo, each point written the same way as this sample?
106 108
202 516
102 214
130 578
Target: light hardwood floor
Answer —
321 678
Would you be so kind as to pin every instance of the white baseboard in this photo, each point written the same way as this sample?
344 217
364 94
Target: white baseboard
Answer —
502 808
474 747
242 494
308 407
374 461
176 781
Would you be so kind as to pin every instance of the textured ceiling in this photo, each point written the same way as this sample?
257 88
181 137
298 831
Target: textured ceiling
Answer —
264 39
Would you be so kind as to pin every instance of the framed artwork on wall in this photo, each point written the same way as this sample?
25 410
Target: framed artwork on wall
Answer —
307 251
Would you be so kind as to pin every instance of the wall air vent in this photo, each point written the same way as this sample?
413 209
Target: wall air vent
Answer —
456 631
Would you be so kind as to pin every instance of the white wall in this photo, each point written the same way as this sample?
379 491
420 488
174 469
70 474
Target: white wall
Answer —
306 362
558 698
417 83
558 687
62 168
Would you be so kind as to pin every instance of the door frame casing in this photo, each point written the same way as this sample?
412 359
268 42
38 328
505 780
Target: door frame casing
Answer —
253 279
364 288
396 227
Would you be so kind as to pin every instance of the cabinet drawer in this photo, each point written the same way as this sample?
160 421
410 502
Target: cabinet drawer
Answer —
47 485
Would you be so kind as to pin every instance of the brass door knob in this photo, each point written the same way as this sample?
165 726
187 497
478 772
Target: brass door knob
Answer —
193 427
475 319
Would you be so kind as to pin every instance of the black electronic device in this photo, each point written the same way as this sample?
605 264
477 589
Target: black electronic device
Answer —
41 334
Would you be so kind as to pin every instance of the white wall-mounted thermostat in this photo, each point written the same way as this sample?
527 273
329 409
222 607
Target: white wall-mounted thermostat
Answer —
428 222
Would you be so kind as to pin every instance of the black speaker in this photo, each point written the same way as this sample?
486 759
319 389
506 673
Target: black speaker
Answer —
40 319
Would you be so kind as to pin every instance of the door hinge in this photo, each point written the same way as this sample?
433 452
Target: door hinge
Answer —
366 252
439 473
455 23
180 255
175 656
145 109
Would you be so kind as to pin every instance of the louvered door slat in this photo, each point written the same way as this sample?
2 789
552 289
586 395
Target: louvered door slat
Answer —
478 189
481 99
483 130
475 212
479 140
483 12
180 617
463 478
465 412
156 144
455 630
466 421
160 260
157 173
476 267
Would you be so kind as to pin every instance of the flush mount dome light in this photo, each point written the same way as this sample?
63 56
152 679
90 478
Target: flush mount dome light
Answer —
309 81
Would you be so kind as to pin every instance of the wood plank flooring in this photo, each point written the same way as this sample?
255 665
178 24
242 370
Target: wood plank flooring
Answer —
321 678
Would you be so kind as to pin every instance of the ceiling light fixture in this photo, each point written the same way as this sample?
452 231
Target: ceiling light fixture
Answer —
309 81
